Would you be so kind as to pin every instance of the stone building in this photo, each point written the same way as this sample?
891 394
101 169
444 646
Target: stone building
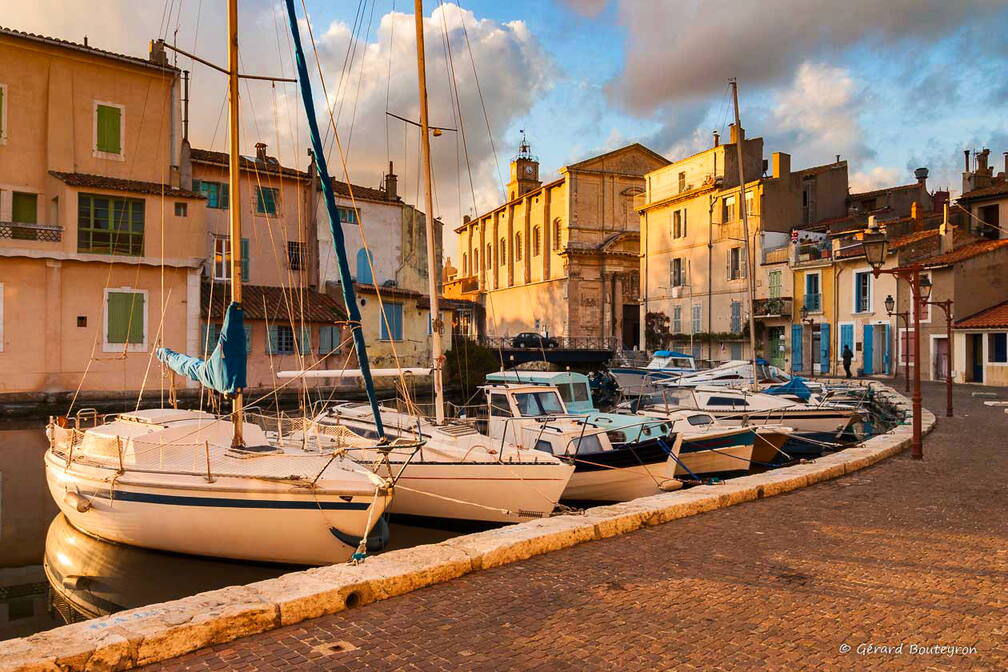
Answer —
562 257
694 270
985 196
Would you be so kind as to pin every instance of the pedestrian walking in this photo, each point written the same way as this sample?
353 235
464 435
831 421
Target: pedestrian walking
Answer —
847 357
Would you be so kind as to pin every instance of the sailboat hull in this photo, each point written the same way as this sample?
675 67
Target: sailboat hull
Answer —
229 518
623 474
715 452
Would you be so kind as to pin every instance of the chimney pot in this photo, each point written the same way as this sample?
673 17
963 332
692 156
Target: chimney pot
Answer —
260 148
391 184
966 154
466 219
921 174
781 164
717 142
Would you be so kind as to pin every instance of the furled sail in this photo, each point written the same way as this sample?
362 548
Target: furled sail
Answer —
224 369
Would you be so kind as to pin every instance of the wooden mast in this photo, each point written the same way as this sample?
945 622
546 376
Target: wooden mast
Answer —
743 211
432 279
235 195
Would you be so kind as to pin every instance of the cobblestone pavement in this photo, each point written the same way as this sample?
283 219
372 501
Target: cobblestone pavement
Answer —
911 553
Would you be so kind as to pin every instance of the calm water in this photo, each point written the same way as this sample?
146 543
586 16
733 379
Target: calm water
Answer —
91 577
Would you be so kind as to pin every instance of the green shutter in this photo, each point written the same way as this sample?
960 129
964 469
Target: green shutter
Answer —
325 340
271 340
125 317
2 129
245 259
225 197
305 340
266 200
109 121
24 208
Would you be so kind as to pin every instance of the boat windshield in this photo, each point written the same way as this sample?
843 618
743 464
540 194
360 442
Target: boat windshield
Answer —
532 404
670 363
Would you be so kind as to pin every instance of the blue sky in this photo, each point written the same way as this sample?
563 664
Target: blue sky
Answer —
889 86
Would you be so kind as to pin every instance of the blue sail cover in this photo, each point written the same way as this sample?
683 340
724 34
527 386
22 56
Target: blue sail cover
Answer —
796 386
224 370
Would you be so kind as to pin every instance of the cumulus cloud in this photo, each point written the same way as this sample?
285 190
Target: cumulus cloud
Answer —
686 50
876 178
589 8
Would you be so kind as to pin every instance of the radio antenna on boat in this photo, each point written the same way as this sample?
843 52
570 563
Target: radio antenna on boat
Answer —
234 212
744 211
432 279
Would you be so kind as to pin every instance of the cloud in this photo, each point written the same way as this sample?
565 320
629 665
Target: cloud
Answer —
589 8
876 178
687 50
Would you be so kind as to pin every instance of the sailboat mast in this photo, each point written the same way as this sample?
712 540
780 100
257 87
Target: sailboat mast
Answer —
432 279
743 211
234 211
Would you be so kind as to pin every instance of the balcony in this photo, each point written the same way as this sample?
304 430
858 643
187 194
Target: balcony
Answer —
19 231
772 308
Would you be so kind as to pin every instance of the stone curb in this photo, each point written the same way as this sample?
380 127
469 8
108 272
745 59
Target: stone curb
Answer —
162 631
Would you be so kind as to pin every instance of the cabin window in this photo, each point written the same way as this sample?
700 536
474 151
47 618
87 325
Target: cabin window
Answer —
217 194
110 225
544 446
533 404
392 322
725 401
580 392
700 420
125 319
586 444
499 406
266 200
222 258
108 132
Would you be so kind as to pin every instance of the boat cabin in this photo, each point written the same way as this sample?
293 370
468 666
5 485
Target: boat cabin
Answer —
670 359
573 388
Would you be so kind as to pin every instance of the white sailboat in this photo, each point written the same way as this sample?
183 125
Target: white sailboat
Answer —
192 482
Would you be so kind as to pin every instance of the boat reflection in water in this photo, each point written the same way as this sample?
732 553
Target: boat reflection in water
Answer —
89 577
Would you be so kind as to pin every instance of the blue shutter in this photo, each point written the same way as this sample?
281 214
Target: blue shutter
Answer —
248 338
327 339
796 347
824 347
271 340
888 351
305 340
364 275
868 351
846 337
397 321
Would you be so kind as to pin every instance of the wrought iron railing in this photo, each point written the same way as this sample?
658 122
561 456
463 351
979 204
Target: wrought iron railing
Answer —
554 342
20 231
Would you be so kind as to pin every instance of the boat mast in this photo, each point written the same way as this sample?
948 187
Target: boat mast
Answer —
237 440
432 279
750 261
325 180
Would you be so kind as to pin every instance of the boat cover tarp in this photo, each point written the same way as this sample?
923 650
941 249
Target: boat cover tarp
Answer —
796 387
672 353
224 369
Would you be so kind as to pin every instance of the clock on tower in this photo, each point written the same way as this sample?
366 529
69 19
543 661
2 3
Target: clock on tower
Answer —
524 171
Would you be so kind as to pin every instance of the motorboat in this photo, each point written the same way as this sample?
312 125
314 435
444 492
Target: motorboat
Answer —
664 365
732 373
616 457
170 479
457 474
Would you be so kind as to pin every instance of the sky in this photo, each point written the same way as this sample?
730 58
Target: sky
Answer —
889 86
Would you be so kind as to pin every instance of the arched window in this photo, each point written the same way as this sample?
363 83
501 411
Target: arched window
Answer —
536 241
488 259
556 234
502 254
364 262
518 247
465 264
476 266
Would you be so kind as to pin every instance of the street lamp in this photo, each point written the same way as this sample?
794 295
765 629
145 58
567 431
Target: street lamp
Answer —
946 307
890 305
876 247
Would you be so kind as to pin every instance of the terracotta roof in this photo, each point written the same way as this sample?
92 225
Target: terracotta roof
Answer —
991 318
272 166
263 302
965 252
998 189
912 238
89 181
879 192
386 291
819 170
76 46
852 247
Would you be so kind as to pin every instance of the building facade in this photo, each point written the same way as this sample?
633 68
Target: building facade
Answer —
100 243
985 196
561 258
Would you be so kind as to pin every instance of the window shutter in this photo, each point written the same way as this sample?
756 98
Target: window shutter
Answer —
125 317
2 129
109 121
385 322
248 337
325 340
24 208
684 211
744 262
305 340
271 340
728 263
245 259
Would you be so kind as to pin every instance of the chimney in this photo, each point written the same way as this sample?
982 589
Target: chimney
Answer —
838 158
260 151
947 240
466 219
157 55
982 160
781 164
736 133
391 184
966 154
939 199
1006 163
921 174
717 142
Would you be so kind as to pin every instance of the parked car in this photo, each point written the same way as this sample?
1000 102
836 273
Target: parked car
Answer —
530 339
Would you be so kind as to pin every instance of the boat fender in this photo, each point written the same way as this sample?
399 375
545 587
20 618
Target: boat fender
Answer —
78 501
376 541
75 582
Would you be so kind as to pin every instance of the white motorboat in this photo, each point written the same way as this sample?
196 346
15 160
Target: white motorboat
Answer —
458 473
616 458
664 365
170 480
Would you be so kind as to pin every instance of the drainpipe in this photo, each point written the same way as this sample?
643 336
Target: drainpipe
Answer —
710 274
835 322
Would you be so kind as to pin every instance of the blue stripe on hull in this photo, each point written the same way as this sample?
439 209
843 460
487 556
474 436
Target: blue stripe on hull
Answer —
182 500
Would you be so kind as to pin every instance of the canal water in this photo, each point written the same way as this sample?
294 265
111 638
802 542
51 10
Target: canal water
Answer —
91 577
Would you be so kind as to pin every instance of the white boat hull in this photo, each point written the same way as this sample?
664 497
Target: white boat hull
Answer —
621 485
802 420
715 460
230 518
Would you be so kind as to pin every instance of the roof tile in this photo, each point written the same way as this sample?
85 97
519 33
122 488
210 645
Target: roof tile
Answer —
1001 188
262 302
89 181
991 318
965 252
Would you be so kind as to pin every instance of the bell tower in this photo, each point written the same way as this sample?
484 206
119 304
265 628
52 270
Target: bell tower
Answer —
524 171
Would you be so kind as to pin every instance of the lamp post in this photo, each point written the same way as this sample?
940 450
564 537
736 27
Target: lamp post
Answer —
946 307
876 248
890 304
